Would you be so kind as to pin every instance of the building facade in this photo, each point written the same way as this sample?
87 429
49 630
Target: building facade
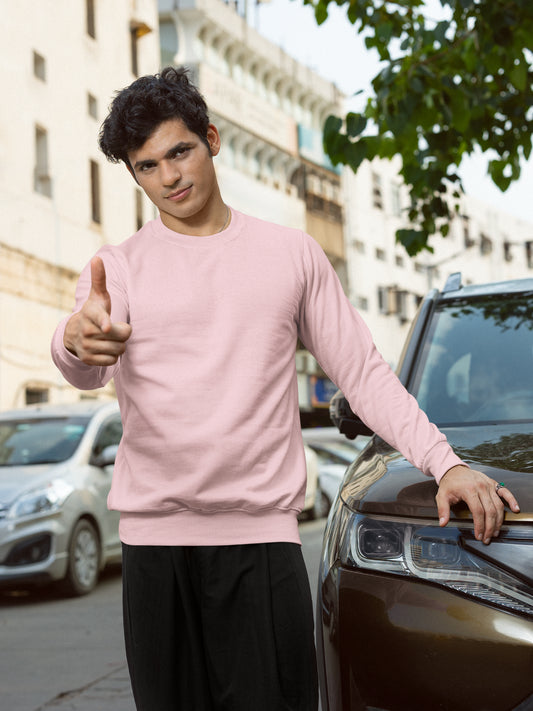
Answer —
59 198
386 285
270 111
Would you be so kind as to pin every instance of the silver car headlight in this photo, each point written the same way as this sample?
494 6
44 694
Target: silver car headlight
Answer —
42 500
450 557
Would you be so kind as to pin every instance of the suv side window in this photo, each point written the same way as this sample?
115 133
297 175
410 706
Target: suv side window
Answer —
476 363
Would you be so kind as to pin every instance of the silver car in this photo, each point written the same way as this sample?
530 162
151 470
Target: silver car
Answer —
334 452
56 464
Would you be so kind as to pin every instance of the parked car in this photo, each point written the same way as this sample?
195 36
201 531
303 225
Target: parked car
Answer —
334 452
312 494
411 615
56 464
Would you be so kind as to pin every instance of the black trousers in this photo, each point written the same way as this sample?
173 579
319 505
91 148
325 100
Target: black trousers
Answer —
219 628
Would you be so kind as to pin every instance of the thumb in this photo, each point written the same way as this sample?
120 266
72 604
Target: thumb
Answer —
98 283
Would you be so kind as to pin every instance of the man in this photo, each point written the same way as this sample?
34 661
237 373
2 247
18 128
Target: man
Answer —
197 316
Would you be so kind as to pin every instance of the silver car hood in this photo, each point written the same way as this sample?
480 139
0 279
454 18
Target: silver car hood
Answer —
17 480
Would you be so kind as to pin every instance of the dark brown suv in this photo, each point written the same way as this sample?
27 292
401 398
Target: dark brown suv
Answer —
416 617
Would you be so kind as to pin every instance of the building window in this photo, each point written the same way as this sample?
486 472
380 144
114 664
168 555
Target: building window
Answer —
359 246
42 182
95 192
33 396
401 304
313 184
380 254
39 66
396 203
377 197
529 254
139 209
134 51
91 19
92 106
485 245
468 241
383 300
507 252
392 300
137 30
168 41
399 260
362 303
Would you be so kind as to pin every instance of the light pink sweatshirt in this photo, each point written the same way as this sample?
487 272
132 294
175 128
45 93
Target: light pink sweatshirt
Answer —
212 451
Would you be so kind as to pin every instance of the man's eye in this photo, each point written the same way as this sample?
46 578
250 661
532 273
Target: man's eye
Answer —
180 152
146 166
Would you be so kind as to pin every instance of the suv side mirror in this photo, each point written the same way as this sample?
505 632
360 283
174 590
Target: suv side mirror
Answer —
106 457
344 419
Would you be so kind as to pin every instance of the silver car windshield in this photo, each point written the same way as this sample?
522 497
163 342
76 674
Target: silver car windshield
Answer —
476 364
39 441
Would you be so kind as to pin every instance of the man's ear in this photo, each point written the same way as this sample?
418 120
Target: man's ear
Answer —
131 171
213 139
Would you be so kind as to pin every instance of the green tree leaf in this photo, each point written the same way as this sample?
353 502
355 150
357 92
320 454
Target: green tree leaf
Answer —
446 89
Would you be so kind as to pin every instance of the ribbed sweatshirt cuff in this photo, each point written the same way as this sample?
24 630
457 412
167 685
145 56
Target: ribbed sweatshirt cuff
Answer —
439 459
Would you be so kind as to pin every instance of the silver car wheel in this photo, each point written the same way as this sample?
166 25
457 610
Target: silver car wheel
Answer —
84 559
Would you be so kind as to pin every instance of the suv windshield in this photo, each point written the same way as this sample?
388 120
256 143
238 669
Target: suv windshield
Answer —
39 441
476 365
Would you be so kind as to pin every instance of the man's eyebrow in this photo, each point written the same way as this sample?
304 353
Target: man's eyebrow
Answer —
179 146
171 151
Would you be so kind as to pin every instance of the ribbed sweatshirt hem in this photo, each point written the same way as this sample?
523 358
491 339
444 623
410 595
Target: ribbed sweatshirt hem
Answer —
193 528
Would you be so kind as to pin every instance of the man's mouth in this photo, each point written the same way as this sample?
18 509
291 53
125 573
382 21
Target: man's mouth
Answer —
177 195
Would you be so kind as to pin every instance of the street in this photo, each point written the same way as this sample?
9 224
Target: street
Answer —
68 654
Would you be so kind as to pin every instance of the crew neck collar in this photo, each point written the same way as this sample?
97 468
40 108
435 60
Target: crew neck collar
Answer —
161 231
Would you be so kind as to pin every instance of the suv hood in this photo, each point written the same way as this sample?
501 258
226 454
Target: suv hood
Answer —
381 481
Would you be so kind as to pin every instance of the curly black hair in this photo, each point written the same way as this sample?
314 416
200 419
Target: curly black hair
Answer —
138 109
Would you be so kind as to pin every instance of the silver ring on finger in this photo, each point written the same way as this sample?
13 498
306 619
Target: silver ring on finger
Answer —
499 486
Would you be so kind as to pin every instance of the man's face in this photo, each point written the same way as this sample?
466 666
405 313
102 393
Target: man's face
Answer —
175 169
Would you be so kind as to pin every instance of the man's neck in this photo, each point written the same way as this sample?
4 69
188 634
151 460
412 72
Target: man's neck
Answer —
196 226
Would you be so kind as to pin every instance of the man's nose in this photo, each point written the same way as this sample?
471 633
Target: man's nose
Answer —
170 173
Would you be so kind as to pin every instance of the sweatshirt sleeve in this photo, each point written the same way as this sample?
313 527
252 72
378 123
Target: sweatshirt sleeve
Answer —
77 373
334 332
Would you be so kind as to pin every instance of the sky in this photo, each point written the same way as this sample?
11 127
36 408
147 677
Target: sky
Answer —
338 53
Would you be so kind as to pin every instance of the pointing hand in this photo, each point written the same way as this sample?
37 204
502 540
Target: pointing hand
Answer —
90 333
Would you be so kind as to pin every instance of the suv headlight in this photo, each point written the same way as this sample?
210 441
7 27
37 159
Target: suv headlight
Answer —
450 557
43 500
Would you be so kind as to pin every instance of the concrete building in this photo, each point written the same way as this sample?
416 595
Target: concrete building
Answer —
59 198
270 110
386 285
